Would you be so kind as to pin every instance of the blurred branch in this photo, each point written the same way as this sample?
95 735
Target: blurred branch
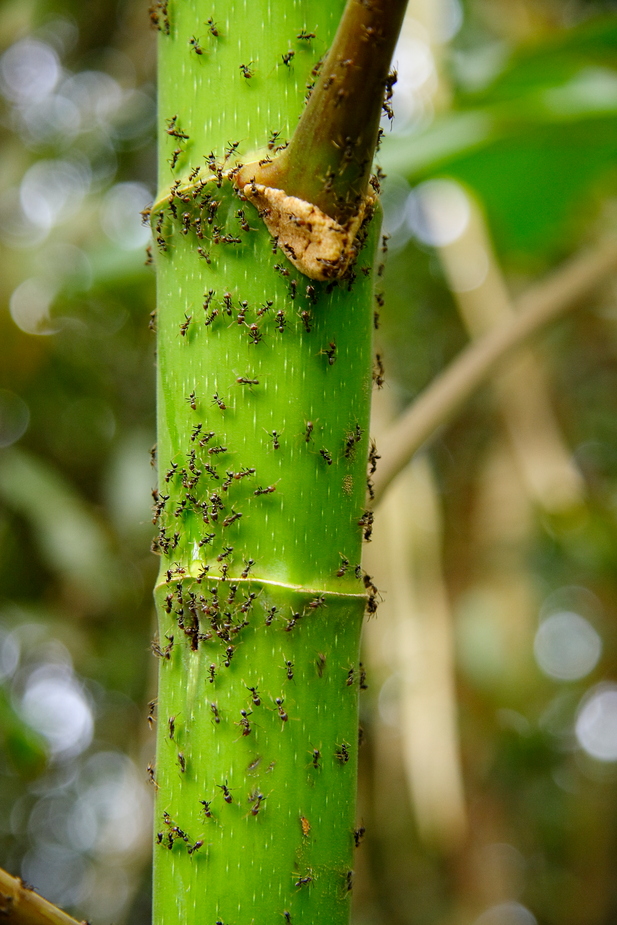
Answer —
540 305
521 383
20 905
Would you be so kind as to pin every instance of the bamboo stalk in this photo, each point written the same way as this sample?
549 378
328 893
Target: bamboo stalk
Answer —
264 380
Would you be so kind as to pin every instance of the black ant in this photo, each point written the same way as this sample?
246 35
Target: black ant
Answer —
246 70
174 131
306 880
226 792
213 27
255 334
244 722
193 42
287 58
254 695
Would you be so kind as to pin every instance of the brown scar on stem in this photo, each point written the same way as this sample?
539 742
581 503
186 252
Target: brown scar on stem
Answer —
316 244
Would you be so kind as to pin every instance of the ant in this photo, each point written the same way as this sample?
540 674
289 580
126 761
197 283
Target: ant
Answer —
174 131
193 42
248 566
213 27
226 792
255 334
257 799
247 73
281 711
254 695
286 59
275 438
244 722
265 307
331 353
304 881
232 147
243 220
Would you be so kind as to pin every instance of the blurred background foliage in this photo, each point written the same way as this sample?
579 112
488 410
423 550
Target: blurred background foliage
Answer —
488 780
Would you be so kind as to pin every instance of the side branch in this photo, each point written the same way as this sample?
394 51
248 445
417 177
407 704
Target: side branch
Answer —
20 905
540 305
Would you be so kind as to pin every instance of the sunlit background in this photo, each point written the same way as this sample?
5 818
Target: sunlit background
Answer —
488 782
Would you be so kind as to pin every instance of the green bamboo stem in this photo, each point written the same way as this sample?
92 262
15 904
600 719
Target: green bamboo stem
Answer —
264 382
